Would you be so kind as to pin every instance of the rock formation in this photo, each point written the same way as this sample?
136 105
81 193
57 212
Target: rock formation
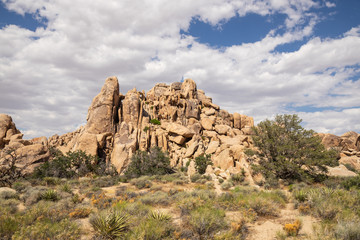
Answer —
28 152
178 118
347 144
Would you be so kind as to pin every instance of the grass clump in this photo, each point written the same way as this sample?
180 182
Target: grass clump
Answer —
50 195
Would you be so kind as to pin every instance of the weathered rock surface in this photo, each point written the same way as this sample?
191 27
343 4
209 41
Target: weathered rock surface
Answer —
178 118
347 144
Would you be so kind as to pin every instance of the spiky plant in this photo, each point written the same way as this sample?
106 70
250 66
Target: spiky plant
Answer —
160 216
111 225
50 195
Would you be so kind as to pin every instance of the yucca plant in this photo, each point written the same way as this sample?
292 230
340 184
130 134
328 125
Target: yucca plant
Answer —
160 216
50 195
111 225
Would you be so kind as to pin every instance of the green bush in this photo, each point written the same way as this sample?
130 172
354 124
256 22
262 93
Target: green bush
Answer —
73 164
351 182
154 162
111 225
155 122
50 195
201 163
288 151
206 220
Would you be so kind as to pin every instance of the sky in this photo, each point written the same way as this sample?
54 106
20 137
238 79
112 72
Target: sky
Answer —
254 57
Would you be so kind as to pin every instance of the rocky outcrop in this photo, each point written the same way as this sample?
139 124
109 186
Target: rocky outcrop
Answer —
27 152
7 130
347 144
178 118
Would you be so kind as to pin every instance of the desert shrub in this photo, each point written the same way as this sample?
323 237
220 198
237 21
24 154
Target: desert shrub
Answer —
105 181
292 229
110 225
10 171
238 177
137 208
8 225
141 182
300 195
80 212
44 230
155 121
156 198
226 185
155 162
21 186
351 182
66 188
10 205
288 151
32 194
201 162
51 181
347 230
8 193
160 216
206 220
101 201
264 207
73 164
50 195
153 229
195 177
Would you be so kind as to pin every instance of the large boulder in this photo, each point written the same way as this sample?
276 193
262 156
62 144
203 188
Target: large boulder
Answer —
131 107
102 114
180 130
7 129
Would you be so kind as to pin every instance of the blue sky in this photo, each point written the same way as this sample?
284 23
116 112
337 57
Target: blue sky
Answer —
255 57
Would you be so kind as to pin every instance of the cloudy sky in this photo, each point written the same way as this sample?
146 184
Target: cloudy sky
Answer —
255 57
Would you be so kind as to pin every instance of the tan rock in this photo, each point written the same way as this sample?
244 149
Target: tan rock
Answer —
179 130
340 171
213 146
88 143
7 129
246 121
125 143
177 139
189 89
192 109
207 123
222 129
209 111
191 149
237 120
32 155
191 168
102 113
131 107
224 160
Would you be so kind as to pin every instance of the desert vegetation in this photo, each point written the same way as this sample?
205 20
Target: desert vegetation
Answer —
78 196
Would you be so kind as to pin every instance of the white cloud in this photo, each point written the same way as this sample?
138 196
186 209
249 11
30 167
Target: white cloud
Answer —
48 77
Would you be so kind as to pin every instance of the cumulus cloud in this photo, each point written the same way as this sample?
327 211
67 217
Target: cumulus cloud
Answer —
49 76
